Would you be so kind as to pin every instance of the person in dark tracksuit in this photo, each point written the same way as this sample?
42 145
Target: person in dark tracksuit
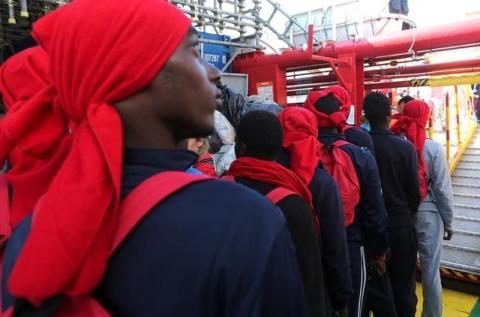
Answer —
397 165
300 145
258 143
369 228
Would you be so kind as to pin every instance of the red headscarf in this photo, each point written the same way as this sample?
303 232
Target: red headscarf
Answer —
272 173
300 134
412 123
337 119
101 51
33 133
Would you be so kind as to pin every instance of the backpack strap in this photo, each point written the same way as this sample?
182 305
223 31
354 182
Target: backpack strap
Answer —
147 195
228 178
5 229
341 142
279 194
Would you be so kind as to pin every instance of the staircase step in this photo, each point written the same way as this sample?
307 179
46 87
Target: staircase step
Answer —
466 218
467 199
465 188
472 151
461 260
469 163
467 171
466 180
461 248
461 225
471 156
465 211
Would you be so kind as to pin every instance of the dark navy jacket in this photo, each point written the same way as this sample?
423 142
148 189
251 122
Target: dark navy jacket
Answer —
328 205
211 249
370 225
397 165
360 138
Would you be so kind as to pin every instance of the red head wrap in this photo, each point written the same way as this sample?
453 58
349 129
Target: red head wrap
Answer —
101 51
337 119
412 123
300 134
33 133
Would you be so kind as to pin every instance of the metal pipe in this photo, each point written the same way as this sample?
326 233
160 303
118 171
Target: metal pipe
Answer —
233 44
406 71
217 19
217 11
419 40
447 128
457 116
430 127
11 12
23 9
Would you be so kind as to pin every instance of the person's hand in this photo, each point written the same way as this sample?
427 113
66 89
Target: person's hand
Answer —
447 235
377 266
341 312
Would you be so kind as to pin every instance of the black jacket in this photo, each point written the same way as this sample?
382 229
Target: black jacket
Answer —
300 223
333 237
397 164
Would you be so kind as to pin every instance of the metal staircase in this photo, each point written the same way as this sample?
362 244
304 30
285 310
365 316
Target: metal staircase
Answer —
462 253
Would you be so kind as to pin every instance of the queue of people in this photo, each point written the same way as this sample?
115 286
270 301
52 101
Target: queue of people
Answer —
116 208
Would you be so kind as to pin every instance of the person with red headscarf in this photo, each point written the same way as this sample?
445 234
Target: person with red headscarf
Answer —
33 148
258 142
338 95
132 84
368 226
433 221
397 163
301 153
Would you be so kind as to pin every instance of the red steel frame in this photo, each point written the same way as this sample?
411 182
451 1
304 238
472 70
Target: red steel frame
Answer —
347 60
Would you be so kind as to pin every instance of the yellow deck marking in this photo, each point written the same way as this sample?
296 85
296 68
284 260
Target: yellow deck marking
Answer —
455 304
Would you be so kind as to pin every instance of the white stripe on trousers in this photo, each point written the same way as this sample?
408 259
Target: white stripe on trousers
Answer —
363 281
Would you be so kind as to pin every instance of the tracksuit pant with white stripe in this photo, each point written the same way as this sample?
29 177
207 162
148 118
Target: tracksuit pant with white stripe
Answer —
359 279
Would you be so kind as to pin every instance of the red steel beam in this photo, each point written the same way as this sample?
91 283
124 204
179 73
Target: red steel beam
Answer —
418 40
426 68
467 66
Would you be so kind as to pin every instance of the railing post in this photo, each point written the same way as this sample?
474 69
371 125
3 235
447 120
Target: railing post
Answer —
447 125
457 117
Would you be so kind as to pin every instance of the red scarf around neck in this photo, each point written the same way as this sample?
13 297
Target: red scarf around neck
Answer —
275 174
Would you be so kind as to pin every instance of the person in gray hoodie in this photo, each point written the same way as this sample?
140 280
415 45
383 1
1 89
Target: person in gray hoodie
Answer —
433 221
